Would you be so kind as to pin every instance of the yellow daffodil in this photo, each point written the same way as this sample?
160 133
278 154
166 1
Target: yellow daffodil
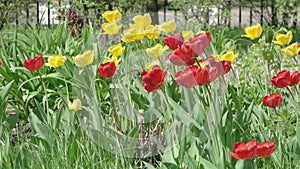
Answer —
112 59
111 28
155 51
133 33
75 105
229 56
82 60
56 61
150 65
117 49
283 39
111 16
142 21
152 32
187 35
168 26
291 51
253 32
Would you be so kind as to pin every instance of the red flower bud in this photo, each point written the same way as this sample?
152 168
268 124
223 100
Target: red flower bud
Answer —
154 79
295 78
107 70
265 149
244 151
35 63
173 41
188 77
273 100
282 79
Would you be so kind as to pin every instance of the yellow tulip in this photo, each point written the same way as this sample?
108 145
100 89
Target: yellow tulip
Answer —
111 16
152 32
56 61
111 28
82 60
155 51
229 56
291 51
142 21
253 32
116 50
75 105
284 39
150 65
133 33
112 59
168 26
187 35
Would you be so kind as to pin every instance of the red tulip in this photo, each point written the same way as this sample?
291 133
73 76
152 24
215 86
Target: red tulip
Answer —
154 79
226 66
265 149
244 151
273 100
295 78
188 77
197 44
173 41
0 62
282 79
180 56
34 64
107 70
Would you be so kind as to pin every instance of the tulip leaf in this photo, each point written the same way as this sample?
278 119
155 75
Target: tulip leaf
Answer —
41 129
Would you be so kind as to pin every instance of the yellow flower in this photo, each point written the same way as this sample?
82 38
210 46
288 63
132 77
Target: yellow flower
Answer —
283 39
168 26
187 35
82 60
133 33
111 16
152 32
150 65
229 56
116 50
142 21
155 51
75 105
111 28
253 32
290 51
112 59
56 61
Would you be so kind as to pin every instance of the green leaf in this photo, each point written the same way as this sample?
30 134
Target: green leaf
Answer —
41 129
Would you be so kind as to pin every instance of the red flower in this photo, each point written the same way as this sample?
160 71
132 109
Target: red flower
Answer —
282 79
188 77
34 64
173 41
295 78
107 70
244 151
197 44
265 149
226 66
154 79
181 56
273 100
0 62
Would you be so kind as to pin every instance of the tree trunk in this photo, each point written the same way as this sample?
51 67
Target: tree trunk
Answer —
152 7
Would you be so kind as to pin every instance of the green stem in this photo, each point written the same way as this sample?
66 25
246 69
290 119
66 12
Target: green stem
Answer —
46 95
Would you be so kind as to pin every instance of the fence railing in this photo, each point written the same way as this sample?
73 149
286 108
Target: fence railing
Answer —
240 12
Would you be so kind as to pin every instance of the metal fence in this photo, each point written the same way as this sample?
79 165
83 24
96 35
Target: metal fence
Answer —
241 13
